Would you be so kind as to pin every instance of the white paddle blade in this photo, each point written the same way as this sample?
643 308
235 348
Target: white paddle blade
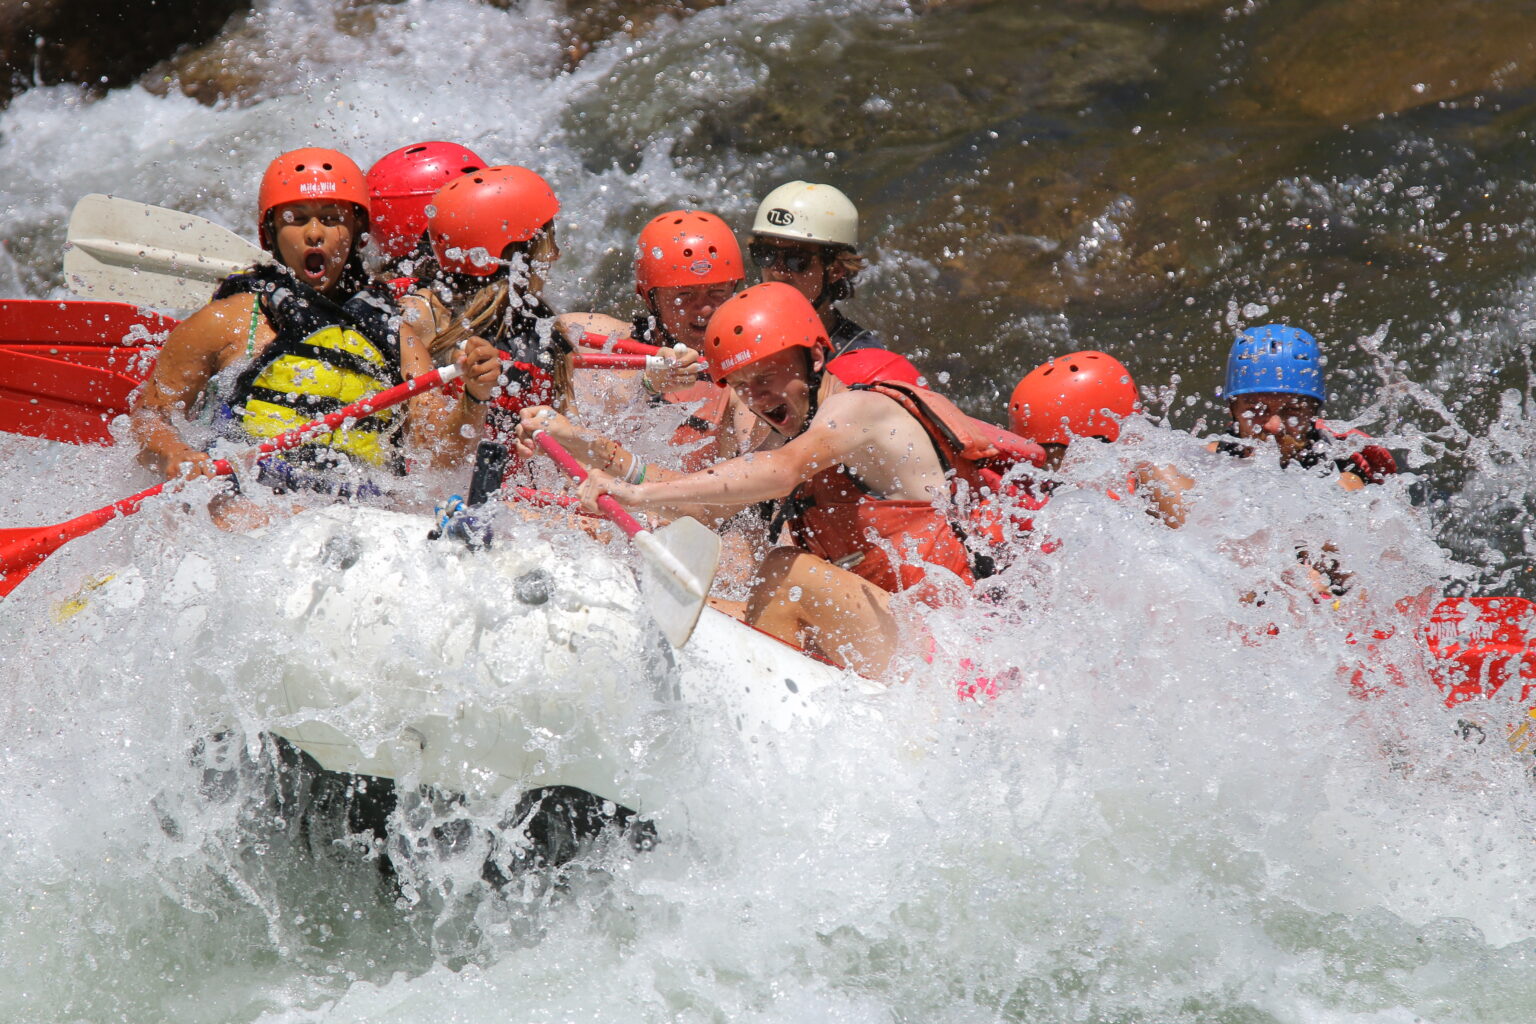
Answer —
148 255
680 563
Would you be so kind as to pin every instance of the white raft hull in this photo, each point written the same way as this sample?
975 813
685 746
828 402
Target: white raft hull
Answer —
498 670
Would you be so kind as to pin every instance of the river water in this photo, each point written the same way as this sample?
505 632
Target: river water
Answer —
1177 813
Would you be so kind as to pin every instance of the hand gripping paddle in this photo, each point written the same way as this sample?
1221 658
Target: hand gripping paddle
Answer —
23 550
680 558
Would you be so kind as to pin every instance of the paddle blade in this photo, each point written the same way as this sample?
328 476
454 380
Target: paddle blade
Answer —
103 335
22 550
148 255
60 401
680 563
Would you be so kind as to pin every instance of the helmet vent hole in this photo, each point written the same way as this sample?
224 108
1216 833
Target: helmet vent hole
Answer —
416 149
688 251
326 166
738 328
298 167
1072 367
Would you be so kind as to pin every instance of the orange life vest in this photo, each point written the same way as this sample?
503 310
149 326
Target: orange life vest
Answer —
833 516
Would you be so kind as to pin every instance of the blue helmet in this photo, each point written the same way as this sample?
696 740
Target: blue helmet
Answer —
1275 359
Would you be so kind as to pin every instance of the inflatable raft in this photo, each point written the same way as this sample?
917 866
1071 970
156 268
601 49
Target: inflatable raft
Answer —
511 668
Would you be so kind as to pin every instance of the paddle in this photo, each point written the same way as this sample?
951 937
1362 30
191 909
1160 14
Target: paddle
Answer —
60 401
107 335
150 256
618 361
69 390
681 557
23 550
624 346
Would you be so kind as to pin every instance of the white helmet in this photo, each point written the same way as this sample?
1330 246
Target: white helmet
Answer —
806 212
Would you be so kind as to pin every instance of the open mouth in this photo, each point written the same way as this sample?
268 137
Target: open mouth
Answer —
314 263
777 416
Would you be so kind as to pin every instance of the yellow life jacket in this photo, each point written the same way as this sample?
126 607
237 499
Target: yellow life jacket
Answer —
326 355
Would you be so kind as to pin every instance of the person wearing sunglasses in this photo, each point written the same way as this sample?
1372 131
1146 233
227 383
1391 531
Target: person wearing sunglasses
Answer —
806 235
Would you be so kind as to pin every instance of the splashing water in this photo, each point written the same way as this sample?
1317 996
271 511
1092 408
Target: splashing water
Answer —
1178 808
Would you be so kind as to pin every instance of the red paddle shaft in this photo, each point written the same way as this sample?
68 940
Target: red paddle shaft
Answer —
23 550
627 346
660 556
618 361
615 512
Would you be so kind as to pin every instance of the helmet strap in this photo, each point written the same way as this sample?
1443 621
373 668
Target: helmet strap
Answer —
814 377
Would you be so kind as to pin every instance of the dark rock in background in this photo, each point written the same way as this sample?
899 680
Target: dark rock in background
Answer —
100 43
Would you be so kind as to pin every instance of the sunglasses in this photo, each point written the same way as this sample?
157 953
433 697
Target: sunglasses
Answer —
794 261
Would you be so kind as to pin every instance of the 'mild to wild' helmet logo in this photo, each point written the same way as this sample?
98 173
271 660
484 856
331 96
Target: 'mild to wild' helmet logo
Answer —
700 267
316 188
780 217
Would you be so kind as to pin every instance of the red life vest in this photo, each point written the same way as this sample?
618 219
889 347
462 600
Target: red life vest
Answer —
834 517
871 365
696 434
1372 463
400 287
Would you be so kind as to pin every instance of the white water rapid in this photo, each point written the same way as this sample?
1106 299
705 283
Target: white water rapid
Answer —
1173 814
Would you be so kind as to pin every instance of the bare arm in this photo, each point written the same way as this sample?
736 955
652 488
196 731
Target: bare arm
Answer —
848 430
1164 487
199 347
574 325
447 428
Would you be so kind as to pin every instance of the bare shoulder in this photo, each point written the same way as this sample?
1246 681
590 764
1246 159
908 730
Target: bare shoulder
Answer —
218 325
851 405
860 411
419 309
574 325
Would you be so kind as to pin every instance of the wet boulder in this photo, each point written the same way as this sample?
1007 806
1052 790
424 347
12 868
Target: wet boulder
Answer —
1349 60
898 82
100 43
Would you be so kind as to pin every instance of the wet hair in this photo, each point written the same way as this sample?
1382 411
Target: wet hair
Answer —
498 313
851 262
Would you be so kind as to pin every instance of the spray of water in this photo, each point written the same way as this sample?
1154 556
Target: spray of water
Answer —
1203 794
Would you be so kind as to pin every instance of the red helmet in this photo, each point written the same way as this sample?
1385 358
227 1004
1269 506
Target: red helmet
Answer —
402 183
763 320
310 175
489 210
686 247
1085 394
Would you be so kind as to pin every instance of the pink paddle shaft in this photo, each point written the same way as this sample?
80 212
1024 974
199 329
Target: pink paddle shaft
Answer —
612 509
627 346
